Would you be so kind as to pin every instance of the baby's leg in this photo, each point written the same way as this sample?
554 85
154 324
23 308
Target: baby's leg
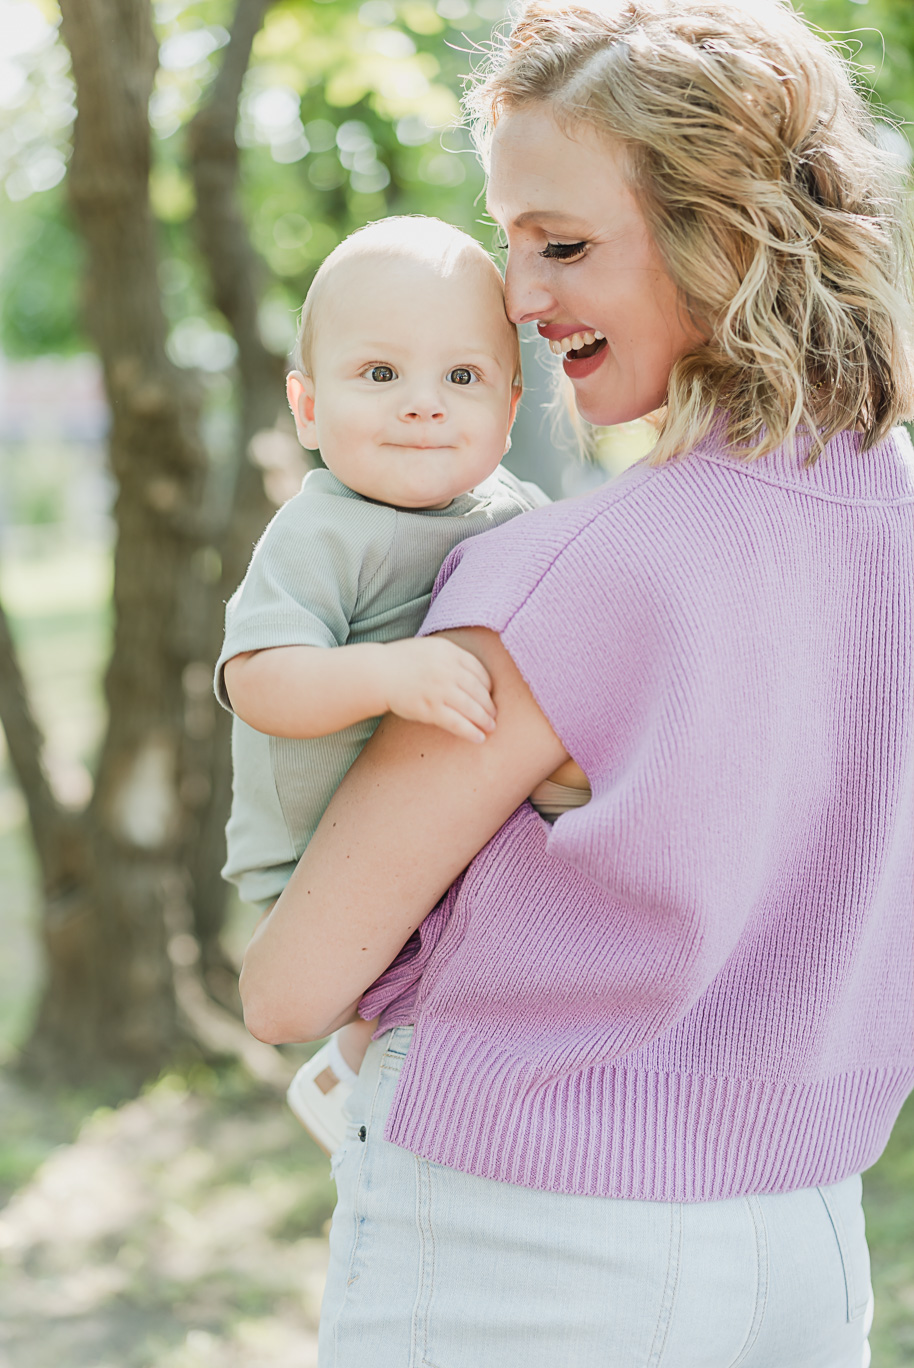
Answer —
353 1040
319 1091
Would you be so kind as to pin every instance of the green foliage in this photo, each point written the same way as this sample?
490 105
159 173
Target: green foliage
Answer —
348 113
39 278
878 37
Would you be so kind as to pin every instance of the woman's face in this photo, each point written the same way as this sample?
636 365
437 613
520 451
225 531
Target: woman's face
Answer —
582 261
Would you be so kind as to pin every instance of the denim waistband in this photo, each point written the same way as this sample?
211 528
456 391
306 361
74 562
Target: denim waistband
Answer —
398 1040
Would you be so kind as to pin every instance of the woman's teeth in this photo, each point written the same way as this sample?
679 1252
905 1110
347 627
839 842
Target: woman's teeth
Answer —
561 346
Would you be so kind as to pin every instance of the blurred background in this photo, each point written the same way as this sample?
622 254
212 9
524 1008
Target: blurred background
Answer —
172 175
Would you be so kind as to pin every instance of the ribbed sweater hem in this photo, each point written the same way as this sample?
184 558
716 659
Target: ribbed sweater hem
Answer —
609 1131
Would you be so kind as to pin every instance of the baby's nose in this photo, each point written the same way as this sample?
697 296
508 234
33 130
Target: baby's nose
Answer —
423 408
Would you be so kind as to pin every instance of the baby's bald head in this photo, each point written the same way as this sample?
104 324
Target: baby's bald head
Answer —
407 244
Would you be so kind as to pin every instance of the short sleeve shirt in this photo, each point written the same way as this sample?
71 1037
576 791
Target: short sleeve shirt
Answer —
331 568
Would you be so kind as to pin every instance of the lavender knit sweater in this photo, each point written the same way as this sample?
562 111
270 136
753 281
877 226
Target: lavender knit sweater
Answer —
702 983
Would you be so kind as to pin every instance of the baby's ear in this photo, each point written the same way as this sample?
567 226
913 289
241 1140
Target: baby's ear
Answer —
300 393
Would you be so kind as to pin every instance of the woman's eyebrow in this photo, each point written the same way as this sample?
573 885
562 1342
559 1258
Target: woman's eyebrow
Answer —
542 216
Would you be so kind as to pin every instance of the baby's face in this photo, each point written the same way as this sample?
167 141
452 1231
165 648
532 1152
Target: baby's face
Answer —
411 399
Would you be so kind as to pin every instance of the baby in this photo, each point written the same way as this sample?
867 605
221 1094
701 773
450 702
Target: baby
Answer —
408 380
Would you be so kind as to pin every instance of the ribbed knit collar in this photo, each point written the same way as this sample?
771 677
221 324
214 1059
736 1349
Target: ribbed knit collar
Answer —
883 474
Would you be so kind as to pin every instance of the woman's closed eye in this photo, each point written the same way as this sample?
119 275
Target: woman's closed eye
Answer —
555 251
563 251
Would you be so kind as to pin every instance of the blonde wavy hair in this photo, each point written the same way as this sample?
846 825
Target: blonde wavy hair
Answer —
758 167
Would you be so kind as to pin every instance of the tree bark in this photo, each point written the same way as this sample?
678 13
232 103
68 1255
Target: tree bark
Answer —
132 883
108 1002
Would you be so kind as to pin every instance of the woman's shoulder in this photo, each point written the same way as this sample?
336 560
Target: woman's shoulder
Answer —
683 517
485 578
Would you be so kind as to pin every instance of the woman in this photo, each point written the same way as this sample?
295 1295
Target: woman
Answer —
631 1067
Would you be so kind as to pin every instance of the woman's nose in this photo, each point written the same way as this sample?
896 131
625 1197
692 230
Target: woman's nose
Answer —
526 297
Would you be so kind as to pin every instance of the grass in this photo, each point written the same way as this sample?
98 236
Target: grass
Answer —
182 1229
187 1228
888 1200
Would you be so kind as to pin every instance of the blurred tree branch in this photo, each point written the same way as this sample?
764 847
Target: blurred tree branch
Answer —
235 274
25 743
234 268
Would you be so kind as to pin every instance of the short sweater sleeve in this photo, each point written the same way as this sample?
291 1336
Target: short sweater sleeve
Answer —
558 591
638 630
305 575
640 665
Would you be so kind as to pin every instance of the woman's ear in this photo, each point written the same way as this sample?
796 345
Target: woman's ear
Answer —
300 393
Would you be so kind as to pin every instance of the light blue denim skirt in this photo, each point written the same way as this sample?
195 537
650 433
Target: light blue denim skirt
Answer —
431 1268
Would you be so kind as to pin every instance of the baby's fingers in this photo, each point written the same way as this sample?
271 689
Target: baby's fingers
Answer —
471 687
450 720
475 667
481 713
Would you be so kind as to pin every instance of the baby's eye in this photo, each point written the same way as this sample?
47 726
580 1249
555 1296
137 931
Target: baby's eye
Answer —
461 375
381 374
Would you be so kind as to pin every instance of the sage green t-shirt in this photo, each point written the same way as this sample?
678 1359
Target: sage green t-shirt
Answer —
331 568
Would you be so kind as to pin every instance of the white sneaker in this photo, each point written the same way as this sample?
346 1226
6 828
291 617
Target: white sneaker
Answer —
318 1093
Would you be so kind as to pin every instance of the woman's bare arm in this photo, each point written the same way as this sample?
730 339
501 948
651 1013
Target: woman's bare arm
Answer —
409 816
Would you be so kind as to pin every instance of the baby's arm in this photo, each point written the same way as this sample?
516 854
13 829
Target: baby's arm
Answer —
307 691
353 1040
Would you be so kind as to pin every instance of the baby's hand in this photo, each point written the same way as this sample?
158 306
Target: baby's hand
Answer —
432 680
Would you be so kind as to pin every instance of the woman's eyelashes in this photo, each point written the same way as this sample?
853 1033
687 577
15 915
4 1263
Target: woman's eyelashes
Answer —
554 251
563 251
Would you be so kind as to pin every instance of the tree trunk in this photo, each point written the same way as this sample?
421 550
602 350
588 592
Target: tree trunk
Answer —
109 1000
132 888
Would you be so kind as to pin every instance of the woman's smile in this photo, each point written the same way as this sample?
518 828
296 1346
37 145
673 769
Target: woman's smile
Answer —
589 273
578 343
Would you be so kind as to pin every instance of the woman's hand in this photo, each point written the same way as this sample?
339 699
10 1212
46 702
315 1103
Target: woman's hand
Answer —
409 816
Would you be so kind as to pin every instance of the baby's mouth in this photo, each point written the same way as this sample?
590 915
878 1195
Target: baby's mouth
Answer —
578 346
